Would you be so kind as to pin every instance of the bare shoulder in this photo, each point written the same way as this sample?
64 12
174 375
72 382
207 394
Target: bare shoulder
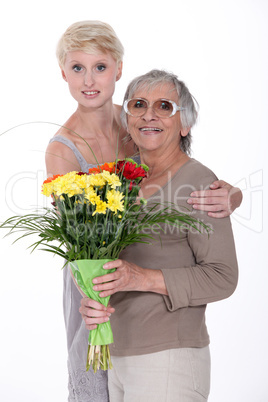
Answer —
60 159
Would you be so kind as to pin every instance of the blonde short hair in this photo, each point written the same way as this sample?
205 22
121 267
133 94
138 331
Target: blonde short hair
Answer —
90 37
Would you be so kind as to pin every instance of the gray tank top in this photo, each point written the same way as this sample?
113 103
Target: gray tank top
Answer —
84 166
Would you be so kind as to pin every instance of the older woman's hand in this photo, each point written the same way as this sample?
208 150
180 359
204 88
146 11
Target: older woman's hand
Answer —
219 202
129 277
94 313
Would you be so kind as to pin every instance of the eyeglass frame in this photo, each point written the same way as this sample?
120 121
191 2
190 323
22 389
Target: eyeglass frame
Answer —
176 108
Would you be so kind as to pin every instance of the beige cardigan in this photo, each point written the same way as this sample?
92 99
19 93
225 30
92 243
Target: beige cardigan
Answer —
197 270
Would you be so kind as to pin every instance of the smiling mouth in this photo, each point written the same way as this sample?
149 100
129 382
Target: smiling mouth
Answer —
144 129
90 92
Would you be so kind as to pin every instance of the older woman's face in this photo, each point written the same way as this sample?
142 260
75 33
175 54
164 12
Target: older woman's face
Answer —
151 132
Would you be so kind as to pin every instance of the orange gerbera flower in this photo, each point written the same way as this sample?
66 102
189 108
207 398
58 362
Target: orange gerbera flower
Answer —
50 179
110 167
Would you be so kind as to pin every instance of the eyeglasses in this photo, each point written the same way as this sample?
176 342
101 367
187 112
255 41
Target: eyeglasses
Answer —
164 108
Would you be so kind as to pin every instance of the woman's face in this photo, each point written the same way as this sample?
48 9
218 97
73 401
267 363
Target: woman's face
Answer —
91 78
151 132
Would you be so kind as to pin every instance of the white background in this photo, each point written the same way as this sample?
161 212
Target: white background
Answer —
219 48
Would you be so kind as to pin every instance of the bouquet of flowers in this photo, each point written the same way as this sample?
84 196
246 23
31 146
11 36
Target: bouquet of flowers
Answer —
95 215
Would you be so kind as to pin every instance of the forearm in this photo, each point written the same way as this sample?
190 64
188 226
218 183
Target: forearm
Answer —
199 285
236 198
213 273
154 281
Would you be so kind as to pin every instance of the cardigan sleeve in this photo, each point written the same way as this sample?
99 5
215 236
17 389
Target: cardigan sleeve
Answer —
214 275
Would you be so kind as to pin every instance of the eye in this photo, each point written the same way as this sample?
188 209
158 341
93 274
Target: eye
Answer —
139 104
164 105
77 68
101 67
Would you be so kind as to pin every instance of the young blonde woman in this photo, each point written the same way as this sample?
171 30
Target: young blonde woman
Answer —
90 58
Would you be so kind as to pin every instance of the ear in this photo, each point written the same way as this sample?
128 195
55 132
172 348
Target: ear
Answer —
185 131
63 75
119 71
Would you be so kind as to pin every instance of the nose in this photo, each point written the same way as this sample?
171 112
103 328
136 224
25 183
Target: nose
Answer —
89 79
149 114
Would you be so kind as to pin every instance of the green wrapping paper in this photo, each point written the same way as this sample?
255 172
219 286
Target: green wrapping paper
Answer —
84 271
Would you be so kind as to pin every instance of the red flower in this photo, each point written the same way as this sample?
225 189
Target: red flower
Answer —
81 173
130 171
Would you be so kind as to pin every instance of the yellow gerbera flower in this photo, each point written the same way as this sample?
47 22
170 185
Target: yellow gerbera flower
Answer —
47 189
91 195
83 181
97 180
112 179
115 200
66 185
101 207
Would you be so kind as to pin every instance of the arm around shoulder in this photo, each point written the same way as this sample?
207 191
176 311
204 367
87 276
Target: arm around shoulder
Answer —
220 201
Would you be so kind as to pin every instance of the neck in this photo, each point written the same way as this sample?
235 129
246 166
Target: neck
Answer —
99 122
160 163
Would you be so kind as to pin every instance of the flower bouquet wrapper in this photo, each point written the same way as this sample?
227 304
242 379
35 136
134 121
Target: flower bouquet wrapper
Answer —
84 271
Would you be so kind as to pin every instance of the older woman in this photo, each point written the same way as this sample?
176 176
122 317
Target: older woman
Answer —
160 291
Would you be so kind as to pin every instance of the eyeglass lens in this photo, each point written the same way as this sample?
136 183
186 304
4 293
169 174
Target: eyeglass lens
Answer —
161 107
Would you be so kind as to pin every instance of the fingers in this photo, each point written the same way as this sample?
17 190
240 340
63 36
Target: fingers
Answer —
91 327
113 264
108 284
91 313
92 322
105 278
213 201
209 207
111 283
208 194
88 304
219 202
94 313
127 276
92 308
107 289
218 184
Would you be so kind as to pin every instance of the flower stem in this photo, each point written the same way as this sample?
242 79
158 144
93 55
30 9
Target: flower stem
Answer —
98 357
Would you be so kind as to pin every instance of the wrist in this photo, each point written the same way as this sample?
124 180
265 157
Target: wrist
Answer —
154 281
